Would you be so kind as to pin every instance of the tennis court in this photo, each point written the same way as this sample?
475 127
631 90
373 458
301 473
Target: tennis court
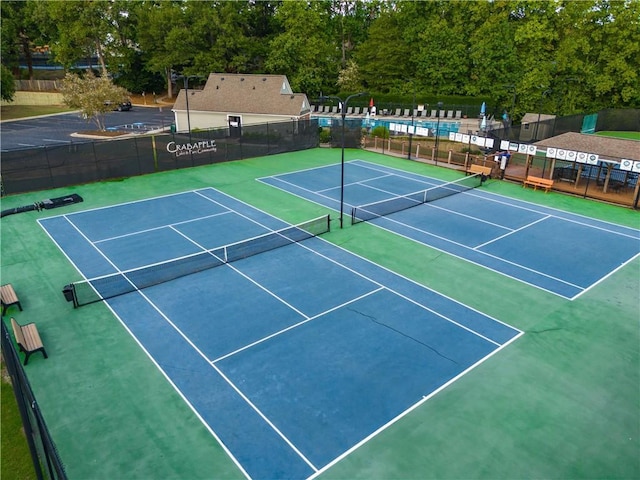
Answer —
557 251
292 353
558 402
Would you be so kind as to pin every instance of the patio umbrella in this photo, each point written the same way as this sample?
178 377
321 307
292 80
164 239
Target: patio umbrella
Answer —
483 108
371 102
483 124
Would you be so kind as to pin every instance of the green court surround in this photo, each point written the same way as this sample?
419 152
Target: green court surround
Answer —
560 403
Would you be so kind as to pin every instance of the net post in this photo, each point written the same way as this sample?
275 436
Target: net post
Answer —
75 297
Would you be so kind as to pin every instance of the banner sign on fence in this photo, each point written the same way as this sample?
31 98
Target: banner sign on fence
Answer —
411 129
630 165
471 139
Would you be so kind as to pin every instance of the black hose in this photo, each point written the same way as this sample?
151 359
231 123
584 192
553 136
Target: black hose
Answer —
26 208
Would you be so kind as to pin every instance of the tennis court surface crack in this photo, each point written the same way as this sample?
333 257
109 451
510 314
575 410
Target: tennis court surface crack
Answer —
374 320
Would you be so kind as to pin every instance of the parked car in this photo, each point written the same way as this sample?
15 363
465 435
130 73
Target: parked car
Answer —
120 107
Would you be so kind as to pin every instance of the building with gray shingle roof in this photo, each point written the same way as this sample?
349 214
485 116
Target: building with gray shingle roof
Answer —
233 100
606 147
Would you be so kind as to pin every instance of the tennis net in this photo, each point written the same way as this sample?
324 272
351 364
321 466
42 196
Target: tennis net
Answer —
397 204
108 286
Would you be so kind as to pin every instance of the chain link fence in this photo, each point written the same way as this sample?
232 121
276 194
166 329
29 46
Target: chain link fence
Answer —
46 461
44 168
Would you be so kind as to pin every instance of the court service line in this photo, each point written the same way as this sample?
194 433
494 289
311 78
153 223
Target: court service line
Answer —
240 214
472 249
359 182
93 245
510 233
559 214
295 325
312 200
306 190
231 384
309 169
204 250
470 217
403 173
147 230
226 379
386 287
519 204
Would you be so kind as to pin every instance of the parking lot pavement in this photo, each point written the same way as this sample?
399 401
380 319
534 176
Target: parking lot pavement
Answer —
58 129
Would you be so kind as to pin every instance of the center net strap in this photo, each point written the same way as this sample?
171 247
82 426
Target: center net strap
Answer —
109 286
381 208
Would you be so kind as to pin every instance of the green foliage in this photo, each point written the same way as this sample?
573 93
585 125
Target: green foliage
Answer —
16 459
7 84
139 78
380 131
549 55
94 96
303 50
325 135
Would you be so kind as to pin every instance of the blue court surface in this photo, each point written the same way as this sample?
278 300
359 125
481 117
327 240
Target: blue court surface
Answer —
291 358
559 252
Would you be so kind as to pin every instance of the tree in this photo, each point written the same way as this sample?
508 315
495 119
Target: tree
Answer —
8 84
349 79
93 96
78 30
19 33
304 50
383 64
162 33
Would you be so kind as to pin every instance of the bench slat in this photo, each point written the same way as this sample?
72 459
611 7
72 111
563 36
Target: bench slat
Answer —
28 339
8 297
535 182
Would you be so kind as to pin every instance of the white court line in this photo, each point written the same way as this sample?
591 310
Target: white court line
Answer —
411 408
226 379
472 249
249 402
291 327
360 182
57 141
464 215
510 233
444 239
305 189
137 232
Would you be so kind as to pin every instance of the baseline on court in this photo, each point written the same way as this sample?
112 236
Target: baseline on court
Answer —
291 358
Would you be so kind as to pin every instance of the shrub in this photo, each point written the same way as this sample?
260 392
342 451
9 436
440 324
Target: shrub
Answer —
380 131
325 135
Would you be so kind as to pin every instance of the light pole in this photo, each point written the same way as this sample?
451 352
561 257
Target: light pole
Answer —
343 114
438 130
413 106
186 79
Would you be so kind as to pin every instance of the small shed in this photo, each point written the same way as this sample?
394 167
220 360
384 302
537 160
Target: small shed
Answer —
233 100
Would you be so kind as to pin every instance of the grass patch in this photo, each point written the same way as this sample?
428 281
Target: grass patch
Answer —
15 459
625 135
10 112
